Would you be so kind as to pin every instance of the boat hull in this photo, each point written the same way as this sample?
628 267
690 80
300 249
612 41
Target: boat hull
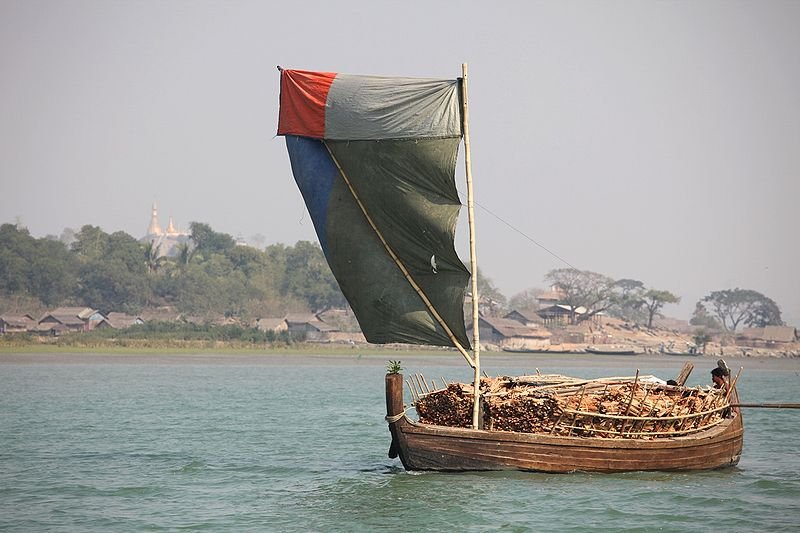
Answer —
597 351
428 447
536 350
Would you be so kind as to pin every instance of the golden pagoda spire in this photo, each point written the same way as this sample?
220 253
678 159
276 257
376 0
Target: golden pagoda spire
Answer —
171 228
155 228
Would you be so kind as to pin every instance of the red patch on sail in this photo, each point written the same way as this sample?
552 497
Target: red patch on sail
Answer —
303 97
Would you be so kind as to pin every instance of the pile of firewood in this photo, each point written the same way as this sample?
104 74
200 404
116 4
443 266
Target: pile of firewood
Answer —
448 407
527 414
570 407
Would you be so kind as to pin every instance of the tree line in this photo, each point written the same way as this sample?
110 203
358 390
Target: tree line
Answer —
212 275
633 301
209 275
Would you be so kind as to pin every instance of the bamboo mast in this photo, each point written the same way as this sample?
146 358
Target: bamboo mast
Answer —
473 258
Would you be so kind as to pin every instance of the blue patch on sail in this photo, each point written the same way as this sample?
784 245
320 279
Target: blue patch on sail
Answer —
314 171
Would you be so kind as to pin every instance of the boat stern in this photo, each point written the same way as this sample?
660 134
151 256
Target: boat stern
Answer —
395 411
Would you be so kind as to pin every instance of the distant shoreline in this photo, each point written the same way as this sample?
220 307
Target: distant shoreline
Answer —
411 360
221 348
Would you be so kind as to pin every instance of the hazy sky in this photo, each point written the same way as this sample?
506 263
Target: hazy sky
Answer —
658 141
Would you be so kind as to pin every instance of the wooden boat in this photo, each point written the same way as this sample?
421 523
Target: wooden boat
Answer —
374 158
669 350
428 447
613 350
535 350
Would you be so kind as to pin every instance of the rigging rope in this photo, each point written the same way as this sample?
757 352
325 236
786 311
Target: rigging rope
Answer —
543 247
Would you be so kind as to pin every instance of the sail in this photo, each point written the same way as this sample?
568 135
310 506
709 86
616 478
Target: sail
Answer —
374 158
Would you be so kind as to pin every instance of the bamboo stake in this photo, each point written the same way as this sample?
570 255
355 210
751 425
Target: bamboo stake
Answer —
768 405
557 422
641 405
628 407
684 375
577 409
420 390
702 421
653 433
731 385
473 256
689 405
669 413
424 383
428 304
633 392
675 418
650 414
414 396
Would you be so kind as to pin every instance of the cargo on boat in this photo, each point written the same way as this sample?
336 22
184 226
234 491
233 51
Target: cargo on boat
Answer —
560 424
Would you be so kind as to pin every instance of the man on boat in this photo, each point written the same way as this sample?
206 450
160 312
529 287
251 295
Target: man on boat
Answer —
719 374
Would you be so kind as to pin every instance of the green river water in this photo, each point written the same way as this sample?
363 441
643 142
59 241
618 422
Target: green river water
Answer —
117 443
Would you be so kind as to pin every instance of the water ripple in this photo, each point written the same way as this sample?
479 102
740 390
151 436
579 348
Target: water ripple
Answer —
194 447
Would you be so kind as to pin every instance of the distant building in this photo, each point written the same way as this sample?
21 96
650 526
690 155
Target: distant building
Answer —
525 316
560 314
168 239
161 314
123 320
552 297
510 333
275 325
769 336
70 319
11 323
309 326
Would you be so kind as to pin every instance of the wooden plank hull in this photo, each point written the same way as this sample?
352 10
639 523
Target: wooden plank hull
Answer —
600 351
427 447
536 350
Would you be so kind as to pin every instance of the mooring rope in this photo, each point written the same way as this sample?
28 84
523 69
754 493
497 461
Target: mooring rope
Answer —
395 418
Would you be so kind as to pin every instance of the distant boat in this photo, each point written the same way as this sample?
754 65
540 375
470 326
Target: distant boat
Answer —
535 350
613 350
686 354
692 352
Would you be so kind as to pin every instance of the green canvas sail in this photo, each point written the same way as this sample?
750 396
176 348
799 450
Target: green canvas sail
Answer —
374 158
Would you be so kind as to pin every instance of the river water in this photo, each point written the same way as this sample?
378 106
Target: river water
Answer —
92 443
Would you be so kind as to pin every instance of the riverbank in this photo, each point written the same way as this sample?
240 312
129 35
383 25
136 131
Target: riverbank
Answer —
604 335
181 346
218 348
611 331
411 360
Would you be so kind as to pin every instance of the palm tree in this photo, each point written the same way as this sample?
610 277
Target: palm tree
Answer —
185 253
152 257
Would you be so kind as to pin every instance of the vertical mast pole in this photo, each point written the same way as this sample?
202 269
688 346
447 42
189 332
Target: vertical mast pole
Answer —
473 257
